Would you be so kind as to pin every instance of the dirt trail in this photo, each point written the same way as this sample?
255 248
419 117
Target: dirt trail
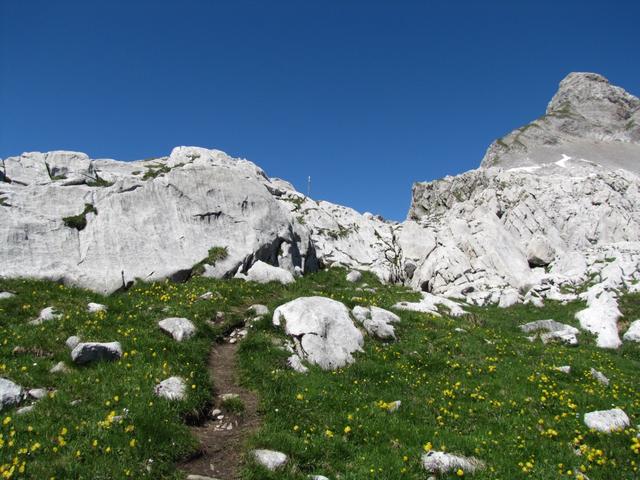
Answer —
221 449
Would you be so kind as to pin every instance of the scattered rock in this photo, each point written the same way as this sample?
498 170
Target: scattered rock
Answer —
206 296
179 328
96 307
540 253
508 297
564 369
441 462
633 332
393 406
317 477
199 477
60 367
72 342
38 393
46 315
26 409
376 321
296 364
429 304
354 276
228 396
607 421
262 272
10 393
6 295
321 329
554 331
258 309
269 459
84 353
173 388
600 377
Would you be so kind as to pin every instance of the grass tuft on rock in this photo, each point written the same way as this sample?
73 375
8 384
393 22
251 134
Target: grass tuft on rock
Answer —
79 222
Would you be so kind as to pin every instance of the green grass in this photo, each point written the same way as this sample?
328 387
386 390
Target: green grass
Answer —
214 255
487 392
233 405
79 222
98 181
155 171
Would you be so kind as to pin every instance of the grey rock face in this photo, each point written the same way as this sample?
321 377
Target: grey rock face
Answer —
84 353
10 393
173 388
157 219
321 329
179 328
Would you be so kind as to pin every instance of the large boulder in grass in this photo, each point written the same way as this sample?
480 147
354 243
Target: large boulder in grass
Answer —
262 272
269 459
442 463
607 421
322 331
173 388
179 328
90 352
10 393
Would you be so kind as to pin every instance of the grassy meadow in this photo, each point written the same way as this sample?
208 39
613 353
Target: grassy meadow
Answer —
485 391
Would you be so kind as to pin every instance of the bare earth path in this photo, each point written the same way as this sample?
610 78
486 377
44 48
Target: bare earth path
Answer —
221 448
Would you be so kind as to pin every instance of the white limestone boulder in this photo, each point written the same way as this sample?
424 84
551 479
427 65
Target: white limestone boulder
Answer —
259 310
321 329
269 459
540 252
6 295
10 393
173 388
443 463
178 328
633 332
508 298
354 276
72 342
607 421
601 316
96 307
295 363
378 322
262 272
90 352
600 377
429 304
552 331
46 315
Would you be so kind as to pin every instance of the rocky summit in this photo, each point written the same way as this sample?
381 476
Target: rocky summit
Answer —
554 203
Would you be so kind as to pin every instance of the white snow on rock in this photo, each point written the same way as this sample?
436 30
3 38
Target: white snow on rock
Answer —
96 307
84 353
607 421
601 316
442 463
173 388
10 393
633 332
354 276
179 328
378 322
262 272
269 459
429 304
322 331
6 295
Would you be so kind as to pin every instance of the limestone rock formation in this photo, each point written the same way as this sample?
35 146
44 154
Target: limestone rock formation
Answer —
179 328
89 352
173 388
607 421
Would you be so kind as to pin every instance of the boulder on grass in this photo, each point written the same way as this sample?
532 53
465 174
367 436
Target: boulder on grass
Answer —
10 393
89 352
269 459
179 328
173 388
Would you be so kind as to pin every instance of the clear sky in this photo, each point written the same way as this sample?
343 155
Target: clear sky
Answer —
365 96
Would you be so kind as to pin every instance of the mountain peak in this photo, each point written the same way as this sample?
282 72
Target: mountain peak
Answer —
587 119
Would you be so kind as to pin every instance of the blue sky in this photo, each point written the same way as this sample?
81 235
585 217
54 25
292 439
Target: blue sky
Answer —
365 96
